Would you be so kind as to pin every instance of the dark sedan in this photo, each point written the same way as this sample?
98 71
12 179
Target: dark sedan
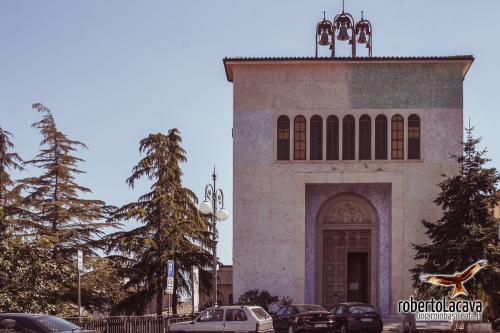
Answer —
356 317
302 318
36 323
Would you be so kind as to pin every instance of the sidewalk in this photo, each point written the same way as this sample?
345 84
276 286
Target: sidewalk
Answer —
394 324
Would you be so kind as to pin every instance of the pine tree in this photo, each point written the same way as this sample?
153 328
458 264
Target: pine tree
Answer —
26 265
53 209
8 162
467 230
172 227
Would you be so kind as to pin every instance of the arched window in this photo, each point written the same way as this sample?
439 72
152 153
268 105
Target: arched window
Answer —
397 137
332 138
316 139
348 139
299 138
381 137
414 137
365 137
283 138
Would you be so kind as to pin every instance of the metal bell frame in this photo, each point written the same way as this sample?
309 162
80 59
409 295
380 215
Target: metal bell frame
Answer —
323 28
364 27
343 20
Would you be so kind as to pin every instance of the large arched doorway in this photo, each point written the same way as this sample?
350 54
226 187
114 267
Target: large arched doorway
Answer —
347 251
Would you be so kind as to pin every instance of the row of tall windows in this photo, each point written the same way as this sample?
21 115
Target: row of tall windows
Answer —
348 138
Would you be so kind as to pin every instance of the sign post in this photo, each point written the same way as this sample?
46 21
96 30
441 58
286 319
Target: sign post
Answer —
170 282
80 267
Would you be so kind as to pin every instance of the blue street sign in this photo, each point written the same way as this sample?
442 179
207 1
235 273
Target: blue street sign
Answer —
170 268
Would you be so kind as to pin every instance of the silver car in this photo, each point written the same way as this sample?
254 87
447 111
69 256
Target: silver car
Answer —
412 324
236 318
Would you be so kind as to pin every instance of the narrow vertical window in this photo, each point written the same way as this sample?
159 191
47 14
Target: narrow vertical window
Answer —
397 137
332 138
299 138
283 138
381 137
348 138
414 137
316 139
365 137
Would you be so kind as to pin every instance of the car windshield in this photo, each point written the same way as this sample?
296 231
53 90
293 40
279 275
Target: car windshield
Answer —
260 313
55 324
361 309
306 308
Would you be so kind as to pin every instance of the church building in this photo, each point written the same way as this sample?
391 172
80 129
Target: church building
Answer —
336 161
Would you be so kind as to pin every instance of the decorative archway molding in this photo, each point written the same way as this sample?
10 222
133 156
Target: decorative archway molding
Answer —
395 237
346 223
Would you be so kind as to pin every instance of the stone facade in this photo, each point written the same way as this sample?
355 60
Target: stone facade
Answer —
280 205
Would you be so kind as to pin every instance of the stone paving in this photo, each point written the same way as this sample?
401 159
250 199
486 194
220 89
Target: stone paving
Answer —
395 324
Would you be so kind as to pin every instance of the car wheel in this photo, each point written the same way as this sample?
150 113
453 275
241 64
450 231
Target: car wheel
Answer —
343 329
291 329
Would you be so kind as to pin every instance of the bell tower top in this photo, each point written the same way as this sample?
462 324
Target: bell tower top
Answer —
342 29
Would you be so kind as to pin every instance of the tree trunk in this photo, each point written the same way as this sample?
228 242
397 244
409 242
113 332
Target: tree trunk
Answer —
174 299
159 300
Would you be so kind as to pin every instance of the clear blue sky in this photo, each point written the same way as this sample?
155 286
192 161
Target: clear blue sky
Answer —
114 71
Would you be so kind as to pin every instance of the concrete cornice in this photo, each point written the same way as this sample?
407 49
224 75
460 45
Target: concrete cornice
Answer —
229 62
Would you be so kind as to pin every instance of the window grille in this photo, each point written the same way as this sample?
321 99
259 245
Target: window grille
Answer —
299 138
316 138
283 138
365 137
414 137
397 139
348 138
381 137
332 138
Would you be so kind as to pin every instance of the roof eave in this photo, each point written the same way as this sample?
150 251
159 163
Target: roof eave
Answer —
228 61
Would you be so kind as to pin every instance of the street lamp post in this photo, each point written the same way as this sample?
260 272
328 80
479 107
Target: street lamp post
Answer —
209 207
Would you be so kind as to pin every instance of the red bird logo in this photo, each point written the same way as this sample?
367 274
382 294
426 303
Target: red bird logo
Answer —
456 280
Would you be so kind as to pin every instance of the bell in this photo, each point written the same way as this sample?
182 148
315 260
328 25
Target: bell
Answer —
362 37
343 33
324 39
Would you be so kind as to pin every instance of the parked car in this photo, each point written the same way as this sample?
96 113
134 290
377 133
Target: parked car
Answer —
236 318
303 317
37 323
356 317
412 324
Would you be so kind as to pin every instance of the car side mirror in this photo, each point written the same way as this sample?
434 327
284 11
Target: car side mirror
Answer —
17 328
